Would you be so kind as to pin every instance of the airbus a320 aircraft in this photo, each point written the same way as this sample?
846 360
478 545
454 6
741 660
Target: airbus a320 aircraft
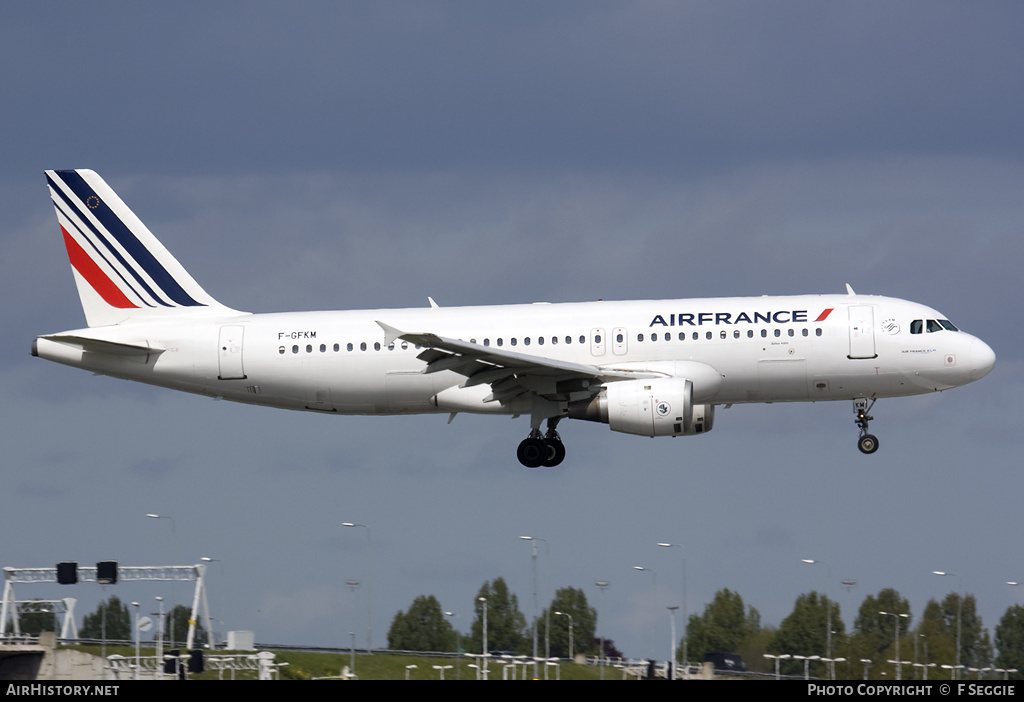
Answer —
649 367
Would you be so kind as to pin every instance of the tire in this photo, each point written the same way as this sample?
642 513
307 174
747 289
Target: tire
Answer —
555 453
867 443
532 452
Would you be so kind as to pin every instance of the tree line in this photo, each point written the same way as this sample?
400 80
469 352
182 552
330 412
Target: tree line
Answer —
883 623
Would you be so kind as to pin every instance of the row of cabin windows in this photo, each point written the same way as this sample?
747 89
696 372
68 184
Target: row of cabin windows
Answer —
619 338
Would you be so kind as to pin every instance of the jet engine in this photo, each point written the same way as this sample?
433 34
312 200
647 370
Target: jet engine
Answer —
653 407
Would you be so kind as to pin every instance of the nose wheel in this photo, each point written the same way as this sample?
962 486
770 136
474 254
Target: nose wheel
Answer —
538 450
867 443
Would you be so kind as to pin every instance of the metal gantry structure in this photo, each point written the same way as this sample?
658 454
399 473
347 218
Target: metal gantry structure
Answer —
193 573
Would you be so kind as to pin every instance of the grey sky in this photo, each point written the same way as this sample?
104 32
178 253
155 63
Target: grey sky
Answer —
348 155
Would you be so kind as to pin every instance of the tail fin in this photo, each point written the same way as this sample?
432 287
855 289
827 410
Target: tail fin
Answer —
123 273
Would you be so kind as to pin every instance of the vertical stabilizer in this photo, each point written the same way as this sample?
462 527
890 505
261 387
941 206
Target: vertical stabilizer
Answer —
123 273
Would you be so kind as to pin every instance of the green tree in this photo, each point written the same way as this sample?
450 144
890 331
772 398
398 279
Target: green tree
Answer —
117 624
724 626
506 625
1010 641
874 633
572 602
939 627
176 628
805 633
422 628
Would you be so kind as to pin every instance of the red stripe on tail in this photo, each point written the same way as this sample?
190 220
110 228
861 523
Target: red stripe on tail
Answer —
100 282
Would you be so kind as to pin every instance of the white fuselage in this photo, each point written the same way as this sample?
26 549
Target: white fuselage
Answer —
759 349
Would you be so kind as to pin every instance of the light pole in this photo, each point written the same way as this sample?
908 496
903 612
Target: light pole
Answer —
781 657
896 622
160 639
654 590
458 647
672 644
601 585
352 585
828 606
566 614
547 610
137 661
369 584
483 652
959 612
685 620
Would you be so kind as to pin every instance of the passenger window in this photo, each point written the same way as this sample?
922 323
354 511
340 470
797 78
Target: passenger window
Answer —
487 342
337 347
362 346
682 336
817 332
376 346
696 336
349 346
736 334
778 333
750 333
791 332
526 341
540 340
499 341
295 349
804 332
764 333
708 336
280 349
309 348
323 348
583 339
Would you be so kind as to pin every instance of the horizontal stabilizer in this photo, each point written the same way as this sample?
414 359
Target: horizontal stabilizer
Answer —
116 348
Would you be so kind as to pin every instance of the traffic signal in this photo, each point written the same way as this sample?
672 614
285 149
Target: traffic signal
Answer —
67 573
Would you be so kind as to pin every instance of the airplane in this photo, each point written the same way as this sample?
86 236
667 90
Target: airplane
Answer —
646 367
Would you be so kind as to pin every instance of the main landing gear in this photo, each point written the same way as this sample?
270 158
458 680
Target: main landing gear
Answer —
867 443
537 450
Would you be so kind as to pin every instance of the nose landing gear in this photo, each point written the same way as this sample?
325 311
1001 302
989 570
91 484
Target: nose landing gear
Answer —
867 443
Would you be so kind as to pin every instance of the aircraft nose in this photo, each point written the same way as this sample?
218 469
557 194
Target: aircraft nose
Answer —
983 359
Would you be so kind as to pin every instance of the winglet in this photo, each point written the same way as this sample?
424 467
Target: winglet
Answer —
433 304
849 290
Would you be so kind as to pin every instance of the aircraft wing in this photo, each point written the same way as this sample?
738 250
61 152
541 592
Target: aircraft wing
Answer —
509 373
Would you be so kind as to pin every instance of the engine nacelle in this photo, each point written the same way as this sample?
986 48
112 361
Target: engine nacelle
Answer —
655 407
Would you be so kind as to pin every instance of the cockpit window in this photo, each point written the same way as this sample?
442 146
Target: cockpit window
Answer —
946 324
933 326
916 326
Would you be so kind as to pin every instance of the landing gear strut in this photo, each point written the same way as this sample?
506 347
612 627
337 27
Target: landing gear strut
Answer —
867 443
542 450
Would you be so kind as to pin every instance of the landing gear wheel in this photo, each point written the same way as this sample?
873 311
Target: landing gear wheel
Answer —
532 452
867 443
555 452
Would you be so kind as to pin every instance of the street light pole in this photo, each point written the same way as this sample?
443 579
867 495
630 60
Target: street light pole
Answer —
959 612
896 621
828 607
369 584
